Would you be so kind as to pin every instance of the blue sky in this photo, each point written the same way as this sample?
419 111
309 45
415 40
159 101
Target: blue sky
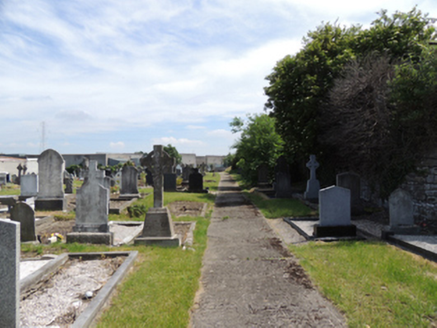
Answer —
121 76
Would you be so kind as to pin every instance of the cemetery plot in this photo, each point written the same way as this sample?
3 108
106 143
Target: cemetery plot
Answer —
76 292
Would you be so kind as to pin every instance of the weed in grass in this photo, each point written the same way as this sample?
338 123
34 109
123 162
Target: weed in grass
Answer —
225 218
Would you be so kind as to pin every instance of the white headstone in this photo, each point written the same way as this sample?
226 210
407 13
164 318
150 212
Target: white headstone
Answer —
29 185
51 175
400 209
334 206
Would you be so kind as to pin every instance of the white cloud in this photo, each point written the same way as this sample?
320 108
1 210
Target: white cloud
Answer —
195 127
117 145
221 133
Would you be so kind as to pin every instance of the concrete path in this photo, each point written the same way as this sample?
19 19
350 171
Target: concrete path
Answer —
248 278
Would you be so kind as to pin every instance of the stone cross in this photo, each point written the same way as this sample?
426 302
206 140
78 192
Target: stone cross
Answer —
312 165
158 162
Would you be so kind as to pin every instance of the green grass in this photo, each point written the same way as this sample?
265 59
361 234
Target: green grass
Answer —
374 284
210 181
277 208
160 290
10 189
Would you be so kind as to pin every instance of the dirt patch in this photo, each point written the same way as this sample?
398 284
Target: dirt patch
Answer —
180 208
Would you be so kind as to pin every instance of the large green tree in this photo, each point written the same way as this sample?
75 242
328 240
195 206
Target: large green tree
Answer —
300 94
259 144
173 152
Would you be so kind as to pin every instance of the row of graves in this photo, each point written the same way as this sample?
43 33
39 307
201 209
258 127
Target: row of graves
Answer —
336 204
91 225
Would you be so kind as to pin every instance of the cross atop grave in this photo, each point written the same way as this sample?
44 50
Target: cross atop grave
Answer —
93 172
312 165
158 162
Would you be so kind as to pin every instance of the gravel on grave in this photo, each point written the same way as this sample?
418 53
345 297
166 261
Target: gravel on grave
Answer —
61 299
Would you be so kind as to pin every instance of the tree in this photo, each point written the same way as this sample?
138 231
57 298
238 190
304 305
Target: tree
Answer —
307 110
173 152
259 144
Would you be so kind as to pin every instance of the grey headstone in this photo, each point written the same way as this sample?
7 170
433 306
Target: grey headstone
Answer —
195 182
23 213
29 185
352 181
50 175
3 178
129 180
92 204
282 179
400 209
313 185
334 206
9 274
69 183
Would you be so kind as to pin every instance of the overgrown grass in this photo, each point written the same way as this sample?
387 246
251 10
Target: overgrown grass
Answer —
376 285
277 208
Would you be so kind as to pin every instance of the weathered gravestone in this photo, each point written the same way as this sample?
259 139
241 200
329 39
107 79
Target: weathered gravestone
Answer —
23 213
92 207
263 176
400 205
3 178
334 213
195 182
282 179
20 169
158 225
352 181
29 186
129 181
313 185
50 181
9 274
68 179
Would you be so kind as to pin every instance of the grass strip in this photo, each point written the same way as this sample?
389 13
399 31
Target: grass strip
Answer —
281 207
374 284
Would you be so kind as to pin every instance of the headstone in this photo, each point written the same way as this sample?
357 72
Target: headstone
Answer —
23 213
149 177
24 169
313 185
334 213
352 181
282 179
92 209
263 176
186 171
129 181
170 182
20 169
69 183
29 185
50 181
195 182
3 178
158 225
401 211
9 273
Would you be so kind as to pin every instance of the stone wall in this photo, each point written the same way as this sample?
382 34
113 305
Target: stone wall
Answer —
423 188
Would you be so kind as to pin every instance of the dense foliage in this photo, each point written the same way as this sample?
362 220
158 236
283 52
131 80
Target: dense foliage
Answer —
259 144
173 152
357 98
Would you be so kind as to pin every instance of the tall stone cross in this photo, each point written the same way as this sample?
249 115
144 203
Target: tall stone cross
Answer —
312 165
158 162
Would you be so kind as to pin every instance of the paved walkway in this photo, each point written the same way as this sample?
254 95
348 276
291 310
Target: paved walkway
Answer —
248 278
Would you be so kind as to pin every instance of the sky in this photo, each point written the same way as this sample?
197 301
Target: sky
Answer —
82 76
